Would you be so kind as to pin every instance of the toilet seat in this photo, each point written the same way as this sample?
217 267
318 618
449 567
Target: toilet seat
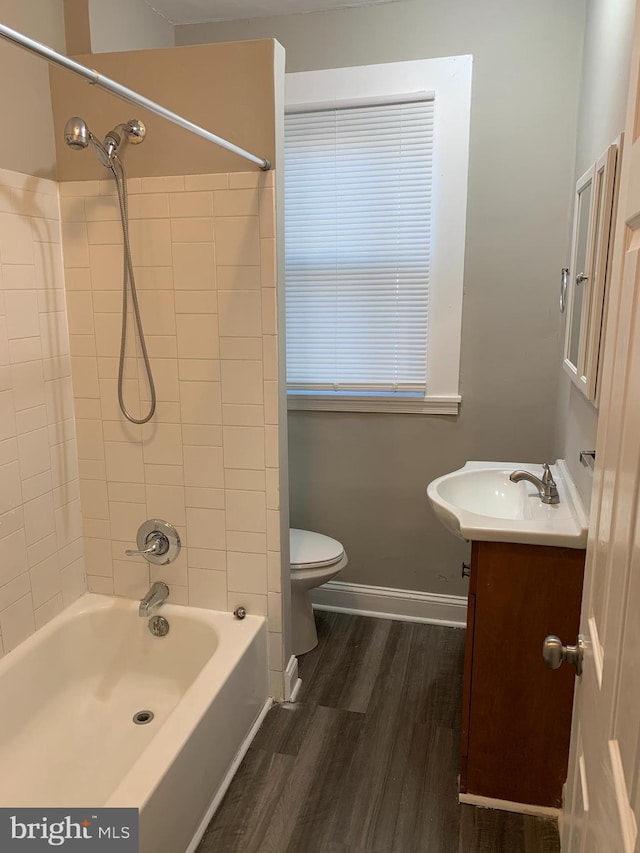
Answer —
313 550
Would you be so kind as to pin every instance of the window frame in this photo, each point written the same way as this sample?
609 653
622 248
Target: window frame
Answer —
448 79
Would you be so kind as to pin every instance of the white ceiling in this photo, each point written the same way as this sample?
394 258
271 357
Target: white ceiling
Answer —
199 11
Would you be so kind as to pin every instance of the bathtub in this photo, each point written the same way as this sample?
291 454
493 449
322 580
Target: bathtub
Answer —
69 694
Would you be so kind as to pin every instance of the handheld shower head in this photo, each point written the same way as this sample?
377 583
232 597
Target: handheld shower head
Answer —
77 136
76 133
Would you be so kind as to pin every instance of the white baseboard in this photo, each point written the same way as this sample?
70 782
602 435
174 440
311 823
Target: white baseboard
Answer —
508 806
231 772
381 601
292 683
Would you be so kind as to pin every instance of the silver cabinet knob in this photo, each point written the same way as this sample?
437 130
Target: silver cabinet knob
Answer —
554 653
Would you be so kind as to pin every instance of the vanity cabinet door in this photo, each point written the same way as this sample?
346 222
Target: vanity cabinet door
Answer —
518 712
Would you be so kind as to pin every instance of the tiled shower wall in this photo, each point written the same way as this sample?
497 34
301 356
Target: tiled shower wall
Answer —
41 549
204 254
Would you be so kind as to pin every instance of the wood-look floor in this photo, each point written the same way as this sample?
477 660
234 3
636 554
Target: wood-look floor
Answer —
367 760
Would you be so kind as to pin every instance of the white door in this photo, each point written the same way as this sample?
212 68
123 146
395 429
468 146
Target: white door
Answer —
603 790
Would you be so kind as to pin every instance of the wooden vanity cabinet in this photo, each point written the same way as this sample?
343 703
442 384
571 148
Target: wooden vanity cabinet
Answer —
516 716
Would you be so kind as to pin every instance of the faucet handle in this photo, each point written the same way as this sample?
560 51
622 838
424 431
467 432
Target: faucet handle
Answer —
158 545
547 476
158 542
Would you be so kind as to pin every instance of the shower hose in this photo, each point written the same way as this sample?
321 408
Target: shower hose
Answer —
117 168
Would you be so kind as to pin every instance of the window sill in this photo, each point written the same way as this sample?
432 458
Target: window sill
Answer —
400 405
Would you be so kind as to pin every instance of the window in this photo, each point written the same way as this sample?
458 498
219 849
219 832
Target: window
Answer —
375 204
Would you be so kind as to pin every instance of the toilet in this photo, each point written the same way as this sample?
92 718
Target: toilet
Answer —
315 559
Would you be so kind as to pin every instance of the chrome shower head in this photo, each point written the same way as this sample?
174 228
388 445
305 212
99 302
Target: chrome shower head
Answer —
76 133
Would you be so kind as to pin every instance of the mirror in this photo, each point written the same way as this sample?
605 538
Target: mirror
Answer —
579 267
590 259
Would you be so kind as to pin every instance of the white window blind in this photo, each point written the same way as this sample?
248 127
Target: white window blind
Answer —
358 184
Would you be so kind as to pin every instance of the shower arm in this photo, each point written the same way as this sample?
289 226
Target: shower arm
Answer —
124 93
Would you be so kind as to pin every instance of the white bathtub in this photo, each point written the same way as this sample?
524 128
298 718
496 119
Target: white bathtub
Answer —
69 694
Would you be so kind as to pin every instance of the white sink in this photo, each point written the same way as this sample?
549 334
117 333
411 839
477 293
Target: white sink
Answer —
480 502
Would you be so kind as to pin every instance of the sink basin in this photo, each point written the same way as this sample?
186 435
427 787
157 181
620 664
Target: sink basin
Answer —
480 502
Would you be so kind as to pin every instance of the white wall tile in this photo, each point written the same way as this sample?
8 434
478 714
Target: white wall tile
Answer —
68 520
246 511
13 556
239 415
151 242
124 461
162 444
201 301
7 415
201 403
195 230
167 502
207 558
206 528
45 581
243 447
240 313
17 623
206 182
238 278
204 498
197 336
245 479
242 382
247 572
207 588
73 581
48 611
249 543
237 202
238 240
203 467
191 204
131 579
194 266
28 385
11 492
33 453
23 320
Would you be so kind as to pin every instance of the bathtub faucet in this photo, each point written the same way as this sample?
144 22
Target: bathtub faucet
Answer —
153 599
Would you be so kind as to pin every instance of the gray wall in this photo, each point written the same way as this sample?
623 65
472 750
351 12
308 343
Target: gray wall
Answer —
127 25
605 75
362 477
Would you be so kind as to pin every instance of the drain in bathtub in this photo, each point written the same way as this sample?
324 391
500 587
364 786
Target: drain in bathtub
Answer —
141 718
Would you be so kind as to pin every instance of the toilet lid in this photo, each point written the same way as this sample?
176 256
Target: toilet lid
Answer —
313 550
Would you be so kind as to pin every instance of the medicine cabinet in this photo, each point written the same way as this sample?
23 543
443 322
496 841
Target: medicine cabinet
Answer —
583 288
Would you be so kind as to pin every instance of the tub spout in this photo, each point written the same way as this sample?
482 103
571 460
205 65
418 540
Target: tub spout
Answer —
153 599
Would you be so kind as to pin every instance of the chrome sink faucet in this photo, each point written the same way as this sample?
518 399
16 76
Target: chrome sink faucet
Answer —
546 487
158 593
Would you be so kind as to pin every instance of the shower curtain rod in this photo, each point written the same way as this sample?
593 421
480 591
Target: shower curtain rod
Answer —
124 93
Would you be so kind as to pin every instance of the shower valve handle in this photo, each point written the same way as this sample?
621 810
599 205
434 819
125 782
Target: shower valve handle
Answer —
158 542
158 545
